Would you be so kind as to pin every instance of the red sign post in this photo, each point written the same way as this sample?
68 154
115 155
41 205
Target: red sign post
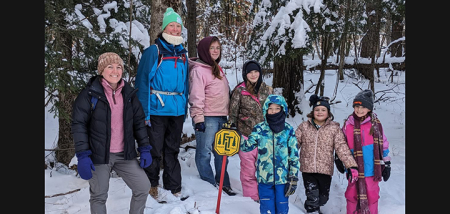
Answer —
226 143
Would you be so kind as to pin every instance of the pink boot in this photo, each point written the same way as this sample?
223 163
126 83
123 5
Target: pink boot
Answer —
247 175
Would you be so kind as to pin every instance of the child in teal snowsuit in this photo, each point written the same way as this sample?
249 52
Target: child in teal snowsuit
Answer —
278 159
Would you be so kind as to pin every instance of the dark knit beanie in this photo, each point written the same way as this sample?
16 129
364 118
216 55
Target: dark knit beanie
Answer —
250 66
315 100
364 98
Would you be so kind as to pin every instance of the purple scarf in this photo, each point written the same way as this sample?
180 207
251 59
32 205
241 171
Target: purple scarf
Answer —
376 131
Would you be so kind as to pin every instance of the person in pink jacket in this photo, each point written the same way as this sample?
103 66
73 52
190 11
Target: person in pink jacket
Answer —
209 98
370 148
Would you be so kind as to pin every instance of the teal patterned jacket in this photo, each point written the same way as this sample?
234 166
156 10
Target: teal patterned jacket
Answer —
278 156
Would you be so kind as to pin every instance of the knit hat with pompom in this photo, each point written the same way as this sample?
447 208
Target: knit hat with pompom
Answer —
106 59
364 98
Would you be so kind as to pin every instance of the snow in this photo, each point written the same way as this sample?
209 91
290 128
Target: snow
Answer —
203 196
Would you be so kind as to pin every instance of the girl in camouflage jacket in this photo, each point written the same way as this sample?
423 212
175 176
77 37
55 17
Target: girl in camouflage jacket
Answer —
277 161
319 137
246 111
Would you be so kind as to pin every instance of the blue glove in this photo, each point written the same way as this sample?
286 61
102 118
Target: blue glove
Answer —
148 123
146 157
85 164
290 187
200 127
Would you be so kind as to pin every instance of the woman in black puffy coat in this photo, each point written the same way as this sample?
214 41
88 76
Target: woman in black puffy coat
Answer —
107 123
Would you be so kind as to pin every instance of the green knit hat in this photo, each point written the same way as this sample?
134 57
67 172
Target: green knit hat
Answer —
171 16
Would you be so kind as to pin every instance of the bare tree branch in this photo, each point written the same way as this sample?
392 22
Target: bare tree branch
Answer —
311 86
59 194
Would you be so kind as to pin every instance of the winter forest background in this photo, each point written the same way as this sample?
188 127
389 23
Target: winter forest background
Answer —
290 38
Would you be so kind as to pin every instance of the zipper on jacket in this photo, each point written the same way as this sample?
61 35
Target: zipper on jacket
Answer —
315 150
273 159
114 99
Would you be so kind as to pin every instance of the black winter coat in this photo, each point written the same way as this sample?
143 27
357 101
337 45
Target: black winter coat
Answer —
93 132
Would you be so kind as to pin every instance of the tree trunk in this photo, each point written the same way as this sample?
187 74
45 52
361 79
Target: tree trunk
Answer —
321 83
65 151
397 33
326 46
343 42
66 148
288 74
191 25
370 42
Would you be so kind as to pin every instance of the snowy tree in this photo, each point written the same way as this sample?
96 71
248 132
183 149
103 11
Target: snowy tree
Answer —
281 36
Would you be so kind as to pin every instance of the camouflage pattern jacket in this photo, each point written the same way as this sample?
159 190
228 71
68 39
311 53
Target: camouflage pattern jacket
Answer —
317 147
246 109
277 152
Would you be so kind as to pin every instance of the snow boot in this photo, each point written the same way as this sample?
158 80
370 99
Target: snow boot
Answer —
177 194
154 192
229 191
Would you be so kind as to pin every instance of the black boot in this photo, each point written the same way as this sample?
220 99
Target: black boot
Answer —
229 191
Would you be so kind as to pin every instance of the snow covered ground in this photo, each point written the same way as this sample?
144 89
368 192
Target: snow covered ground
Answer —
203 196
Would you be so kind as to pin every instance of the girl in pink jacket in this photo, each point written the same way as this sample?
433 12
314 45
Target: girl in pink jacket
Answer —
209 97
369 146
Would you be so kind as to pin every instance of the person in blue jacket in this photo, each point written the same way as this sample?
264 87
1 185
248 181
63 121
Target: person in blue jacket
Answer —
162 83
278 163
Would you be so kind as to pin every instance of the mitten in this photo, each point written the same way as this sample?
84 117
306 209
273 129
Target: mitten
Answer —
290 187
352 174
148 123
85 164
146 157
200 127
386 171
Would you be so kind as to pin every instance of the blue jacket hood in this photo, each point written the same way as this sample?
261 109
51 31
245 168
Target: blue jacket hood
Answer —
277 99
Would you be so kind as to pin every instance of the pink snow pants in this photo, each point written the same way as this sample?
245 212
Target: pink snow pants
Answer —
373 194
247 175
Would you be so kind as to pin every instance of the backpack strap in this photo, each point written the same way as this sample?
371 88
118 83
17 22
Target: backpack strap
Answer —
159 56
94 100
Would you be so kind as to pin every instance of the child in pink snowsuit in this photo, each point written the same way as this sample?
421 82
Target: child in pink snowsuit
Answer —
370 148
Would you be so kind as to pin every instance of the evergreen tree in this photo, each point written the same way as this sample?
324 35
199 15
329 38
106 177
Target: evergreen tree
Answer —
76 33
280 36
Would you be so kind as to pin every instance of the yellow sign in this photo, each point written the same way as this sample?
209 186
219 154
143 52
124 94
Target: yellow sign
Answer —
226 142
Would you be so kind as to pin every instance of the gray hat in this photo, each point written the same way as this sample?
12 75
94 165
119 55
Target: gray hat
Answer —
364 98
